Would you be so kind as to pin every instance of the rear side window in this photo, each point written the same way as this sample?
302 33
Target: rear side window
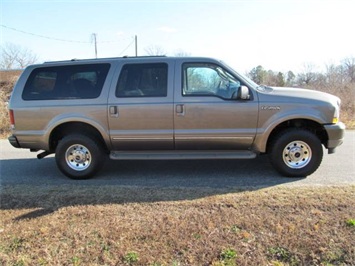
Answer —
66 82
143 80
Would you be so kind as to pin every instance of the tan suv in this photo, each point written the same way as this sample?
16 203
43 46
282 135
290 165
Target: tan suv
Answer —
167 108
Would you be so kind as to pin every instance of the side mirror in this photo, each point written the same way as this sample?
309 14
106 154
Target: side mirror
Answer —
242 93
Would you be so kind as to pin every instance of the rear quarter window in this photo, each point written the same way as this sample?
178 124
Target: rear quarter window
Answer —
66 82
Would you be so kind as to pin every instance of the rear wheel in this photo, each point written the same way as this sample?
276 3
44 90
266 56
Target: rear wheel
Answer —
296 152
79 157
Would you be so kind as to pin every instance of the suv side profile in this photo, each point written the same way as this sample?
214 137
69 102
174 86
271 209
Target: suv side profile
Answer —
167 108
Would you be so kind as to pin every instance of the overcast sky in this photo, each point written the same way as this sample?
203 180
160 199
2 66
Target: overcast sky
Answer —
280 35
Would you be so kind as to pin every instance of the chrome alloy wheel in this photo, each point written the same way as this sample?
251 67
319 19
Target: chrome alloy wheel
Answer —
297 154
78 157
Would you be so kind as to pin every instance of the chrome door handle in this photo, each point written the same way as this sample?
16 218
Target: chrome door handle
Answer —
113 111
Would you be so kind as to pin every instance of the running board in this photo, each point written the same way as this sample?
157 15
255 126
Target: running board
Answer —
180 155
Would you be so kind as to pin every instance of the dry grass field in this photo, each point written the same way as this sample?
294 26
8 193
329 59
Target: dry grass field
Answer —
113 225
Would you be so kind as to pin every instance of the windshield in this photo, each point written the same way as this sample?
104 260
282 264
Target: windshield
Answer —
245 78
225 75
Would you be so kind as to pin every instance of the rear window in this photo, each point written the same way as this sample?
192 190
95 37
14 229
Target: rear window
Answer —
143 80
66 82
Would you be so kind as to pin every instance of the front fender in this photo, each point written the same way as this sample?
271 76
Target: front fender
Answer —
270 119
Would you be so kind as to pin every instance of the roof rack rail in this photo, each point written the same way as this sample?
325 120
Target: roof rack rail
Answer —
64 61
104 58
143 56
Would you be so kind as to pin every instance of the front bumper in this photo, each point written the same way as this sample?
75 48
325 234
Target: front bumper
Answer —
335 136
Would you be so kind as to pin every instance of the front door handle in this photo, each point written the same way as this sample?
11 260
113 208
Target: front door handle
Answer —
180 109
113 111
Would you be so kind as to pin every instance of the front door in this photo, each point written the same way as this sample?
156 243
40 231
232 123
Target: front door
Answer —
207 116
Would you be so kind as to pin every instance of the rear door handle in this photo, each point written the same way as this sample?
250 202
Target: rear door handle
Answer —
113 111
180 109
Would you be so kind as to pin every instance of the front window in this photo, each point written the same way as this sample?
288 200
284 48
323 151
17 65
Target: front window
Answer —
208 80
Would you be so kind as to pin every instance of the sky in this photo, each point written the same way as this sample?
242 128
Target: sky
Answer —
280 35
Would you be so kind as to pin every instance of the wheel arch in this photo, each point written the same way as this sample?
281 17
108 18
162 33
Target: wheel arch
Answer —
67 128
310 125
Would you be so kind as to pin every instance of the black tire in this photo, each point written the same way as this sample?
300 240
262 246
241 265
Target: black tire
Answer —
79 157
296 152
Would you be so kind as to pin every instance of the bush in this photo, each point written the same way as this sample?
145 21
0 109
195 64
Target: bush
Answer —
346 92
5 92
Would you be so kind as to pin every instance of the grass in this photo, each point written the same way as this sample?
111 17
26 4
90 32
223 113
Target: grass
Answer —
113 225
351 222
130 258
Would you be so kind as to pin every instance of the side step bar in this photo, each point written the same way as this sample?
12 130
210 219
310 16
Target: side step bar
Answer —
180 155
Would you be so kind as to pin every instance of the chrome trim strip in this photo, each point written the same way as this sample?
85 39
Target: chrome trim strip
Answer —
210 137
142 138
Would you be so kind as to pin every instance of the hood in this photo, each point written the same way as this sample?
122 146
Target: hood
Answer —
298 94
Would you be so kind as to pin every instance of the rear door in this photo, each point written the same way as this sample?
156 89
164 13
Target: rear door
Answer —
206 116
140 106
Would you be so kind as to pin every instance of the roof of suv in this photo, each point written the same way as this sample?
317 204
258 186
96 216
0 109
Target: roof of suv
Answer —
145 58
108 58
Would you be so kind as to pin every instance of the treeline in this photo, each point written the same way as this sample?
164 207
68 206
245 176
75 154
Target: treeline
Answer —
343 73
336 79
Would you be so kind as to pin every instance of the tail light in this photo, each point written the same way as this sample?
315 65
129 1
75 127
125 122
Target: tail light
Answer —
12 118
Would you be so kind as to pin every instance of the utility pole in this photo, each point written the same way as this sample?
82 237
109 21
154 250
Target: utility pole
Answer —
136 44
94 38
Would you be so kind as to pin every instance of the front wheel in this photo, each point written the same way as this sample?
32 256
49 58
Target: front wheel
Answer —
79 157
296 153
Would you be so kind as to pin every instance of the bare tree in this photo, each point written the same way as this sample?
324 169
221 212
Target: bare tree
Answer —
181 53
349 66
155 50
335 75
308 75
14 56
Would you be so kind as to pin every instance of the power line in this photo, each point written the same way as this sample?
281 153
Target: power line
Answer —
127 47
57 39
93 38
41 36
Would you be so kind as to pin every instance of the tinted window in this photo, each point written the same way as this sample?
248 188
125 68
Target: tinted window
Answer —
143 80
66 82
208 80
